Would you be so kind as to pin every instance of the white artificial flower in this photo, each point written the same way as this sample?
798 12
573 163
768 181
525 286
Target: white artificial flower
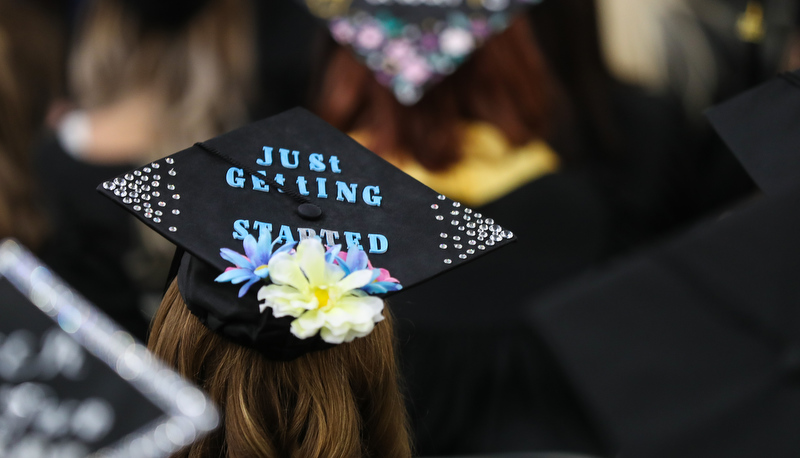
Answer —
320 296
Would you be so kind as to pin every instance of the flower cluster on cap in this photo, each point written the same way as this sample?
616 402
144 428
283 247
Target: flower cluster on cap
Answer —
327 291
407 56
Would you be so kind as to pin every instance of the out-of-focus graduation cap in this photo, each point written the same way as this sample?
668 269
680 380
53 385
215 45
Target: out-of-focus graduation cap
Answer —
287 178
413 44
692 349
762 128
73 384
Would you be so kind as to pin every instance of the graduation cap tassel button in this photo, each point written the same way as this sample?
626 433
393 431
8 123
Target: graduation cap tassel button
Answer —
309 212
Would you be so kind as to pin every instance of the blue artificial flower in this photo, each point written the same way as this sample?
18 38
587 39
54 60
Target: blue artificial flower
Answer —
332 253
254 264
356 259
381 283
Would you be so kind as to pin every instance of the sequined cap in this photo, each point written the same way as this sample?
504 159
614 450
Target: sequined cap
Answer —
413 44
293 176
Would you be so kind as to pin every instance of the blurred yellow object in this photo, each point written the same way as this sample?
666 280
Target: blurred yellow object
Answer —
750 25
490 166
327 9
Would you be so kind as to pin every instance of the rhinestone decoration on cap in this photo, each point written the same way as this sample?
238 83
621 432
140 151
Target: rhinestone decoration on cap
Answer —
466 228
140 186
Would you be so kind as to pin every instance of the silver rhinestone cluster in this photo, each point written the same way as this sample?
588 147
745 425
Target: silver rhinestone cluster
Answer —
474 232
142 190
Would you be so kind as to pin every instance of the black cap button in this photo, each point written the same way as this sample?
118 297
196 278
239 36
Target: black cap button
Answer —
309 211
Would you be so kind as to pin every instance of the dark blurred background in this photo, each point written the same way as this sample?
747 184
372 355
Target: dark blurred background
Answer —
91 88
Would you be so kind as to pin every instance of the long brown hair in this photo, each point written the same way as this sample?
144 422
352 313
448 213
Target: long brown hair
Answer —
506 83
200 75
30 57
340 402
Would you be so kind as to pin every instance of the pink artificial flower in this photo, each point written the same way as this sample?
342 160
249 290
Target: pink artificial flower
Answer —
415 70
343 32
370 37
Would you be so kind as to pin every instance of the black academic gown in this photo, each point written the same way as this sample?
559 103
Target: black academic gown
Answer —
478 382
89 237
690 349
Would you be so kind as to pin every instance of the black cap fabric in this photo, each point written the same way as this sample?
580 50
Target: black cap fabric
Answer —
762 128
692 349
172 14
72 383
409 44
280 180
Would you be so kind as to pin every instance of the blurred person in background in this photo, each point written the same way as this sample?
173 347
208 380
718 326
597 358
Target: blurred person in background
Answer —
617 166
30 76
662 165
702 50
497 135
475 137
144 79
700 53
149 78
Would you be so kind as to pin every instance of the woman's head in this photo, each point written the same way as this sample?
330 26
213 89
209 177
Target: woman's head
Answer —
339 402
196 74
291 336
506 83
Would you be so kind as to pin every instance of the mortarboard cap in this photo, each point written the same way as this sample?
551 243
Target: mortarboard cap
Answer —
74 384
284 179
762 128
691 349
409 44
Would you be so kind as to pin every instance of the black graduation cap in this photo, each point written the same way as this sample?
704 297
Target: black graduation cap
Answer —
691 349
412 44
762 128
281 180
72 383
